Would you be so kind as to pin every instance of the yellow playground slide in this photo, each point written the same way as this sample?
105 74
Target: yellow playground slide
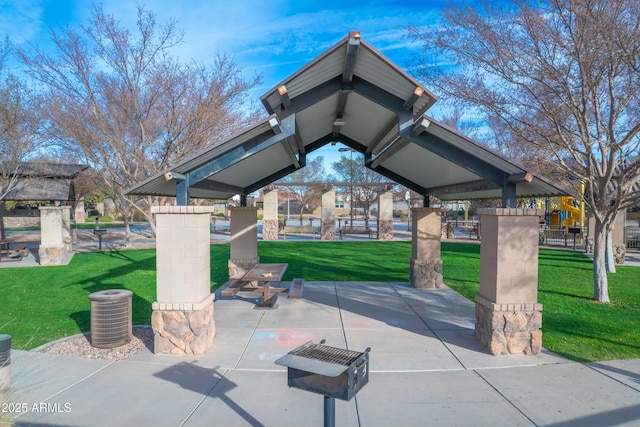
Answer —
573 211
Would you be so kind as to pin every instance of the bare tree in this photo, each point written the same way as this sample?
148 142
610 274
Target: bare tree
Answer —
365 183
309 195
19 128
563 77
121 102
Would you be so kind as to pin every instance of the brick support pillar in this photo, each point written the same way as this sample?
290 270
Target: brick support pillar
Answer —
328 226
182 318
270 216
426 263
385 215
244 240
508 315
55 234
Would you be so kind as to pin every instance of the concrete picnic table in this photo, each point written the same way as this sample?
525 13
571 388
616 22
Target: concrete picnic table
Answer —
265 274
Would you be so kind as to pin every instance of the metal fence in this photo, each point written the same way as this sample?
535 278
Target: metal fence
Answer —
548 236
633 238
555 237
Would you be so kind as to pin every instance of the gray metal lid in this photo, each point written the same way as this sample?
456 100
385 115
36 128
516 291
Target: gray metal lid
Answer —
110 295
319 359
311 365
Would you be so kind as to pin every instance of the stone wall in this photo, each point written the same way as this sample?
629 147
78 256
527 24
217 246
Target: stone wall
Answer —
426 273
21 221
385 229
269 229
619 252
508 328
183 328
328 229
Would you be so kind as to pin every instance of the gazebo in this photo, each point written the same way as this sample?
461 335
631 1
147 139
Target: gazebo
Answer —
352 94
52 182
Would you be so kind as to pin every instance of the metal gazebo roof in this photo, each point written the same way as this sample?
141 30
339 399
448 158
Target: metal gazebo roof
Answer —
354 95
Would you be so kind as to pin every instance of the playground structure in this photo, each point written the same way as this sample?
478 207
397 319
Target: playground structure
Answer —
574 215
566 212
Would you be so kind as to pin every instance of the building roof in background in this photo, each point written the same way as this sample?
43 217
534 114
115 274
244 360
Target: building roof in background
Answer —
44 181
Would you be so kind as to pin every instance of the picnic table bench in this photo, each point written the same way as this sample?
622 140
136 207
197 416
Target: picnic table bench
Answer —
298 229
233 286
356 229
16 253
265 274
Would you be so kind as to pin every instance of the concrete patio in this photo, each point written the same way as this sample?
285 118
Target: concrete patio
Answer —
426 369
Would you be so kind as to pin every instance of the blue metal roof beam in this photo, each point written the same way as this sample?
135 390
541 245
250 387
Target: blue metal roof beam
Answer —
350 60
420 135
281 129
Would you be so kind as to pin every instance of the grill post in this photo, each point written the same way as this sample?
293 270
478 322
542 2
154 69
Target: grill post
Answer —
329 411
330 371
99 232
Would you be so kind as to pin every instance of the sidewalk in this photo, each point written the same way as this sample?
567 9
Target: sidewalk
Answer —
426 369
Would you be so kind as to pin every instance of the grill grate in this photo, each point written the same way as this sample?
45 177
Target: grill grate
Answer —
328 354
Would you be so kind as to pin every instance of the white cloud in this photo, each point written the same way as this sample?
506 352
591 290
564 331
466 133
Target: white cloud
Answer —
22 19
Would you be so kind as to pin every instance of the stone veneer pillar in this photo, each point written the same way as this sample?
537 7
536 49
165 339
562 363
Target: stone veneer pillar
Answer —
244 240
385 215
270 215
55 234
426 263
328 222
182 318
508 315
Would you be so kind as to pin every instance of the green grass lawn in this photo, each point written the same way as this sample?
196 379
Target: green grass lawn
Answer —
41 304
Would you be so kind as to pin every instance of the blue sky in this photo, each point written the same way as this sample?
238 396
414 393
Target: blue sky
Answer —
273 38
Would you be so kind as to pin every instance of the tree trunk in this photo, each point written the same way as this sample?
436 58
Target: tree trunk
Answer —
3 233
127 232
609 257
151 217
600 281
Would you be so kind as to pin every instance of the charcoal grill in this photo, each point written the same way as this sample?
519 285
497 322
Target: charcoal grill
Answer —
330 371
